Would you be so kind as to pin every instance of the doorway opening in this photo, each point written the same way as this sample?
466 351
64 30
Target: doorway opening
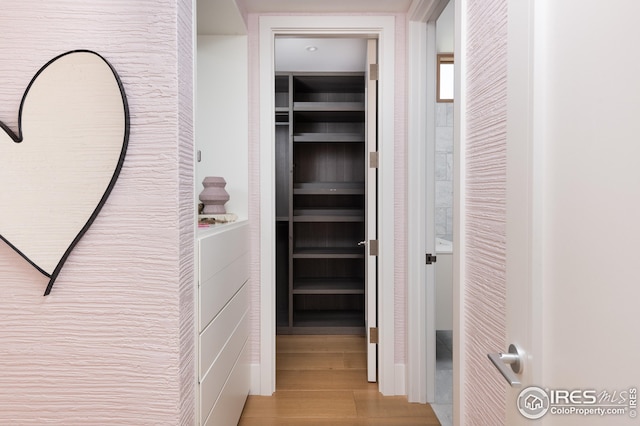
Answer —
383 29
443 159
325 189
423 308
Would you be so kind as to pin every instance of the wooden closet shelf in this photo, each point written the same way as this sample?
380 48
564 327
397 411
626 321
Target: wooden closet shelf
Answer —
328 253
329 285
328 215
328 137
328 106
328 188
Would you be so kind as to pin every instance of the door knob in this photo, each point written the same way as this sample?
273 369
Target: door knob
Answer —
362 243
514 359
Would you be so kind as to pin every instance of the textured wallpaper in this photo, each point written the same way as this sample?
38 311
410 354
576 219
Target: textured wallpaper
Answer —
113 343
485 215
400 188
186 211
253 47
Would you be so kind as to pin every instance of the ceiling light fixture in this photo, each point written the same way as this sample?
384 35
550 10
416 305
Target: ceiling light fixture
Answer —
311 48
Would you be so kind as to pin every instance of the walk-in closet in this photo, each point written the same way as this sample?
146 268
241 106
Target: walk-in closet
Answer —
321 164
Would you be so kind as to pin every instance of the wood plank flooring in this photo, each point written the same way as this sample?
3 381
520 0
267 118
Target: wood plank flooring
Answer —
322 380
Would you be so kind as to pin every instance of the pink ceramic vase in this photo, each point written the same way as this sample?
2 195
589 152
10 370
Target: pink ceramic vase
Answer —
213 196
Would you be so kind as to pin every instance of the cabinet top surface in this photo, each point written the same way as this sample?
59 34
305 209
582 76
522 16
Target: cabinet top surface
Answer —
219 228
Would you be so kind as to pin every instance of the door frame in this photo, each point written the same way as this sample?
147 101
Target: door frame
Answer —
421 304
382 28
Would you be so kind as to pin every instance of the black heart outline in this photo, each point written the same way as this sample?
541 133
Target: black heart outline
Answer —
125 143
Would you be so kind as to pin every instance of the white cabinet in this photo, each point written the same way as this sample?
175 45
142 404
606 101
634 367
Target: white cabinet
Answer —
223 323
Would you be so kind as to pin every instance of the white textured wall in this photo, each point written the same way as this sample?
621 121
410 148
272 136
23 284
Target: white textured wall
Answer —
254 184
400 188
484 259
186 214
113 343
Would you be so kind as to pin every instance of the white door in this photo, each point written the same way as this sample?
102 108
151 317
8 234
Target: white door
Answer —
573 191
371 259
588 127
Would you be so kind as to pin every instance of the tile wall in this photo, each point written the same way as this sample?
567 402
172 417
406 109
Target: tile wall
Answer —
444 171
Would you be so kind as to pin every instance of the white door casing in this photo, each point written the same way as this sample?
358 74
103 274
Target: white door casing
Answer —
382 28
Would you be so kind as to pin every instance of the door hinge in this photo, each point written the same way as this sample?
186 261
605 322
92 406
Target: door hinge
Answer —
373 335
374 160
373 71
429 259
374 248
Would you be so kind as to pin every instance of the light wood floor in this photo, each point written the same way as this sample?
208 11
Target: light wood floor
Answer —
322 380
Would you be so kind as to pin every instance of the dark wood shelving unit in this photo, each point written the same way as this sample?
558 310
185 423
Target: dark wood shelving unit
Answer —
320 211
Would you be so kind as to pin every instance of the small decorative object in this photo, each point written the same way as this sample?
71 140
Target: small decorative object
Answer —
213 196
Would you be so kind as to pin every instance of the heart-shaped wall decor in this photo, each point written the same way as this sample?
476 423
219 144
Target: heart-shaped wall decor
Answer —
59 168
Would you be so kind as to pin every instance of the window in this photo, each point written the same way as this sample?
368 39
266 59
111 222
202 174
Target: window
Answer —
444 91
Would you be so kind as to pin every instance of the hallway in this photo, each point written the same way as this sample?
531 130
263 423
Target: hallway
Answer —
321 380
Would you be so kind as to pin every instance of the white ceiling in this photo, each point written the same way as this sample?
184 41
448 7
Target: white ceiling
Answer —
445 30
219 17
332 54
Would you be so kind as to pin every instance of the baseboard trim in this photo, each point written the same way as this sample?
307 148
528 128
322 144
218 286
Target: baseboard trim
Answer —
400 386
254 386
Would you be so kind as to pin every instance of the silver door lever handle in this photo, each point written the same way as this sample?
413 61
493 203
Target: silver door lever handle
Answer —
362 243
512 358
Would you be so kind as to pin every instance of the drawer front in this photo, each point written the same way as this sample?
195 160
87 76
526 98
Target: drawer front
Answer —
228 408
215 337
217 251
220 288
214 380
